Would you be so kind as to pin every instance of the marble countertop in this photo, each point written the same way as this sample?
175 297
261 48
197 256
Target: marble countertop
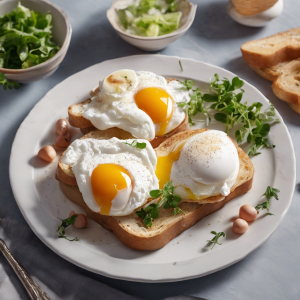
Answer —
270 272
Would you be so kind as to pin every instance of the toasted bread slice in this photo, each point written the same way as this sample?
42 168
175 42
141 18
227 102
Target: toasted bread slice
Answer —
271 73
287 86
270 51
295 107
77 120
130 229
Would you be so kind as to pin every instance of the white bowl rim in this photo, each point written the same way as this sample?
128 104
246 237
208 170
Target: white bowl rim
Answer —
53 58
183 28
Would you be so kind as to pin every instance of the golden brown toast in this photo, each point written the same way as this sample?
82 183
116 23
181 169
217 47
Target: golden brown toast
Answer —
270 51
287 85
130 229
271 73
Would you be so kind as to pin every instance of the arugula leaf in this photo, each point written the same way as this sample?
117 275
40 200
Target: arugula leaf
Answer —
215 239
136 144
225 97
168 200
8 84
25 40
270 192
64 224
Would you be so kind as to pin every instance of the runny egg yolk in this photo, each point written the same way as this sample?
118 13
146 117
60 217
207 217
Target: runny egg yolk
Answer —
165 163
164 167
157 104
107 180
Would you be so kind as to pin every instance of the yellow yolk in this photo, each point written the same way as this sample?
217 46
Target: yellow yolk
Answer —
157 104
106 181
164 167
165 163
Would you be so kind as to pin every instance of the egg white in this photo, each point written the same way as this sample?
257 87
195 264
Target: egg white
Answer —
208 165
107 110
86 154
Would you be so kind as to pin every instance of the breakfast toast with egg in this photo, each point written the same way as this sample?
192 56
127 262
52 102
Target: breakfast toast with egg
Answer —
77 120
130 229
270 51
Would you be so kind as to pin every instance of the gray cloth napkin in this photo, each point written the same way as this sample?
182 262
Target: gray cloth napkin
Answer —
56 276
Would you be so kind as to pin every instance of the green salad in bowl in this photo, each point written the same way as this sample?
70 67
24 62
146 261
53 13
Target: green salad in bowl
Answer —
150 18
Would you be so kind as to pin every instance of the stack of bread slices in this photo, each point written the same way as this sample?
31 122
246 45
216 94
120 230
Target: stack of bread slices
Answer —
277 58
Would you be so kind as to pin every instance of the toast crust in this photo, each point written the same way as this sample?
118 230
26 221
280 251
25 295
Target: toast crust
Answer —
130 229
158 237
270 51
287 86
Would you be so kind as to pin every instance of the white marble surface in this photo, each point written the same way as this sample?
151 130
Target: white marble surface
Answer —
270 272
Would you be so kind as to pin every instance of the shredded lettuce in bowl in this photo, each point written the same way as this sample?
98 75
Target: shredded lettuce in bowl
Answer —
150 18
25 39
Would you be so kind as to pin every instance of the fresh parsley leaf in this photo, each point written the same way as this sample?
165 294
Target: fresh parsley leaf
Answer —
215 239
136 144
64 224
7 84
180 66
270 192
168 200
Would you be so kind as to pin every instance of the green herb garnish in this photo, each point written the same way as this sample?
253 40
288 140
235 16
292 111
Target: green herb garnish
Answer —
215 239
150 18
168 200
64 224
180 66
7 84
270 192
225 100
136 144
25 39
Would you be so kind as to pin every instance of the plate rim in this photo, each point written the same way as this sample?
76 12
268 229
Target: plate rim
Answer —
132 278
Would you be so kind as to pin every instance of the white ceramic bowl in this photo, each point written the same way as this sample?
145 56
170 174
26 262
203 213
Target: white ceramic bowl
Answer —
258 20
61 31
188 10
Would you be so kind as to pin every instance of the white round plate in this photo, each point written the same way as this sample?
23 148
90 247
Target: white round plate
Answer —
187 256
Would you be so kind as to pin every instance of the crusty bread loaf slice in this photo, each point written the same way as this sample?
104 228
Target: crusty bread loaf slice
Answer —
287 86
270 51
295 107
130 229
271 73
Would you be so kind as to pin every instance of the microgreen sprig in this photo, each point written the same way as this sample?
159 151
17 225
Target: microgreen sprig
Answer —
215 239
168 200
195 104
180 66
136 144
225 98
64 224
270 192
8 84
